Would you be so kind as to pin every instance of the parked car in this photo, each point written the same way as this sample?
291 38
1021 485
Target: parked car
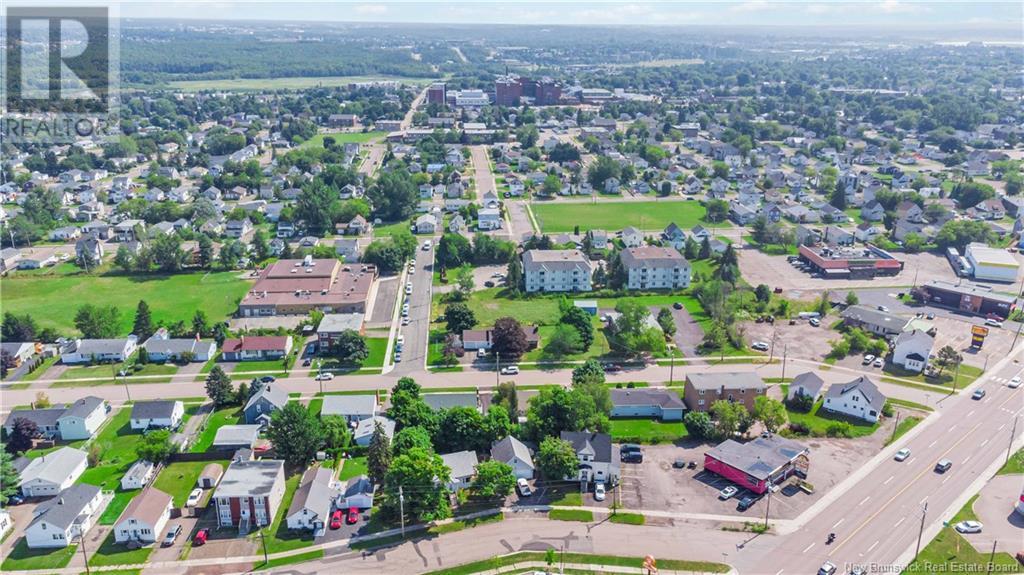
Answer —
759 346
172 534
427 245
968 527
727 492
336 519
488 284
827 568
902 454
599 491
405 320
993 323
612 367
267 379
679 464
510 370
879 362
882 308
868 359
978 394
814 321
746 503
352 517
523 487
858 570
325 376
194 497
677 305
15 500
1014 383
201 536
943 465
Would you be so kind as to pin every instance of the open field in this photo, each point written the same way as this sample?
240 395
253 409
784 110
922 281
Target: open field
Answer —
612 216
230 415
179 479
317 141
645 430
292 83
52 301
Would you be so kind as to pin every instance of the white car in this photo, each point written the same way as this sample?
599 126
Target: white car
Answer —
481 353
412 269
827 568
599 492
523 487
868 359
510 370
728 492
993 323
194 497
427 245
902 454
408 290
400 339
326 376
759 346
1014 383
968 527
405 321
814 321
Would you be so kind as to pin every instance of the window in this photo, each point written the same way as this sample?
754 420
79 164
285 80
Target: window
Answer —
145 531
700 402
701 392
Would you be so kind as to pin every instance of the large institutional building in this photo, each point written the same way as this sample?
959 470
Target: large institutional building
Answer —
295 287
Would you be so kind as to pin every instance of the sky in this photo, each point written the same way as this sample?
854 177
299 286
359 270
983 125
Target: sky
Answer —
882 13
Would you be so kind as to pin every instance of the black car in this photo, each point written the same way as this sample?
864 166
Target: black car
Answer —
746 503
632 457
679 463
489 284
677 305
267 379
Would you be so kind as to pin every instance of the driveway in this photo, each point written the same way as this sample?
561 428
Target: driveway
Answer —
689 334
995 510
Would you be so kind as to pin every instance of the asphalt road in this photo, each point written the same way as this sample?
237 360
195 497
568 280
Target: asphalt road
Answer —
417 333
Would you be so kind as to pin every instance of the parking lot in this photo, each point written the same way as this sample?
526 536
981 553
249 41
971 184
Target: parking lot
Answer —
801 340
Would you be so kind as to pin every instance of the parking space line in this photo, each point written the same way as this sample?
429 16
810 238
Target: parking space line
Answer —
934 442
983 443
966 460
923 500
863 501
946 479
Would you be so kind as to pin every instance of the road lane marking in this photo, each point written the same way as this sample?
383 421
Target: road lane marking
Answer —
954 427
898 522
779 572
888 480
863 501
969 413
1001 427
838 522
911 460
872 546
983 443
934 442
808 548
946 479
923 500
966 460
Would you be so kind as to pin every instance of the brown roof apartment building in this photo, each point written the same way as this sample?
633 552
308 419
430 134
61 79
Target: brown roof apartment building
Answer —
704 389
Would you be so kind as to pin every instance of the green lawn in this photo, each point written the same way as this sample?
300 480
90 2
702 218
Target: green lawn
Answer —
225 416
112 553
818 421
1014 466
352 467
581 515
460 524
22 558
905 425
53 300
581 558
966 376
108 372
772 249
117 504
950 552
388 230
178 479
39 371
317 141
600 346
627 518
278 536
569 498
644 430
117 442
558 217
377 346
292 559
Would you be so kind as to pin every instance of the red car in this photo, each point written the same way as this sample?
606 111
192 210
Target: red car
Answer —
336 519
200 537
353 516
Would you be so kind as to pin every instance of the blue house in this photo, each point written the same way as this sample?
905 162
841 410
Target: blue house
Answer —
263 403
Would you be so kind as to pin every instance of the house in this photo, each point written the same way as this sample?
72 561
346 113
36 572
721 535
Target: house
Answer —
52 473
6 523
595 454
311 505
354 408
268 399
249 494
15 353
235 437
704 389
859 398
238 228
557 271
457 224
907 210
334 324
598 239
653 267
82 419
45 420
256 348
439 401
161 347
358 493
837 236
66 233
632 237
674 235
63 519
742 214
806 384
642 402
759 464
138 475
489 219
426 224
144 519
866 231
348 249
912 350
157 414
364 430
475 339
463 468
89 249
516 454
98 350
358 226
872 211
873 320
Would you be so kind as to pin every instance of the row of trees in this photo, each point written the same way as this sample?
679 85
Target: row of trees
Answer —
726 418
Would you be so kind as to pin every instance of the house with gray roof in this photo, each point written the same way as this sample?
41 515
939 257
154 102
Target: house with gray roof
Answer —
49 474
83 418
439 401
912 350
97 350
662 404
232 437
45 420
859 398
157 413
161 347
363 432
873 320
358 493
463 468
63 519
138 475
267 400
249 494
806 384
354 408
597 458
516 454
311 505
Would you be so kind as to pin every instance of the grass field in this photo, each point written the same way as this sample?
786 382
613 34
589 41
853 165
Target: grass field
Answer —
377 346
178 479
581 515
569 498
291 83
317 141
1014 466
117 442
224 416
818 423
611 216
107 372
353 467
112 553
949 552
53 301
39 371
643 430
905 425
22 558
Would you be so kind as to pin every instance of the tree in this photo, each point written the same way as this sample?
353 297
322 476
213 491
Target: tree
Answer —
580 320
219 388
18 327
410 437
770 412
604 168
505 396
556 459
422 474
564 340
727 416
837 197
454 250
408 410
632 334
42 400
851 298
555 410
337 435
493 479
22 437
97 322
508 339
458 318
350 347
295 433
947 357
717 211
459 429
393 196
698 424
514 275
959 233
667 321
200 323
497 425
156 446
9 478
590 372
705 249
143 326
378 455
317 206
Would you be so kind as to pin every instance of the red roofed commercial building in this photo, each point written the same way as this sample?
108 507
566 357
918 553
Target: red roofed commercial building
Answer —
836 262
757 463
256 348
296 287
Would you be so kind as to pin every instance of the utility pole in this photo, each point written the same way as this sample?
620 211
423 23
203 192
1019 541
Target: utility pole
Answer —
497 368
920 533
401 508
956 375
1012 433
785 353
319 375
768 508
263 540
991 558
895 427
84 557
771 354
671 365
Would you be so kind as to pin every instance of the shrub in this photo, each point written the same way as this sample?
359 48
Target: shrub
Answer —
839 429
799 428
887 409
802 403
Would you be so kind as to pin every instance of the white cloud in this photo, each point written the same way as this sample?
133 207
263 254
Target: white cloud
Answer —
897 7
370 9
751 6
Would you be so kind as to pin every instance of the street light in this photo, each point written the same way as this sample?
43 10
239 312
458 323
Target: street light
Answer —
319 374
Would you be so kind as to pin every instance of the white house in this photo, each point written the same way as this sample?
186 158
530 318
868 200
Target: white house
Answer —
86 350
594 452
806 384
463 467
513 452
83 418
60 520
6 522
912 350
358 493
489 219
49 474
139 474
144 519
161 347
159 413
859 398
311 506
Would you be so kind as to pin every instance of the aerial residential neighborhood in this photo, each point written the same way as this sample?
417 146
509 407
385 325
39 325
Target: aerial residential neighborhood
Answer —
483 288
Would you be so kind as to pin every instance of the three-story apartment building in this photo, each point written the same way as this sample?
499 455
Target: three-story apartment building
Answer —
652 267
557 271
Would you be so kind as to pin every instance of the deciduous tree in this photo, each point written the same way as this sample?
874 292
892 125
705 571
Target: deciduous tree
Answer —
295 433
